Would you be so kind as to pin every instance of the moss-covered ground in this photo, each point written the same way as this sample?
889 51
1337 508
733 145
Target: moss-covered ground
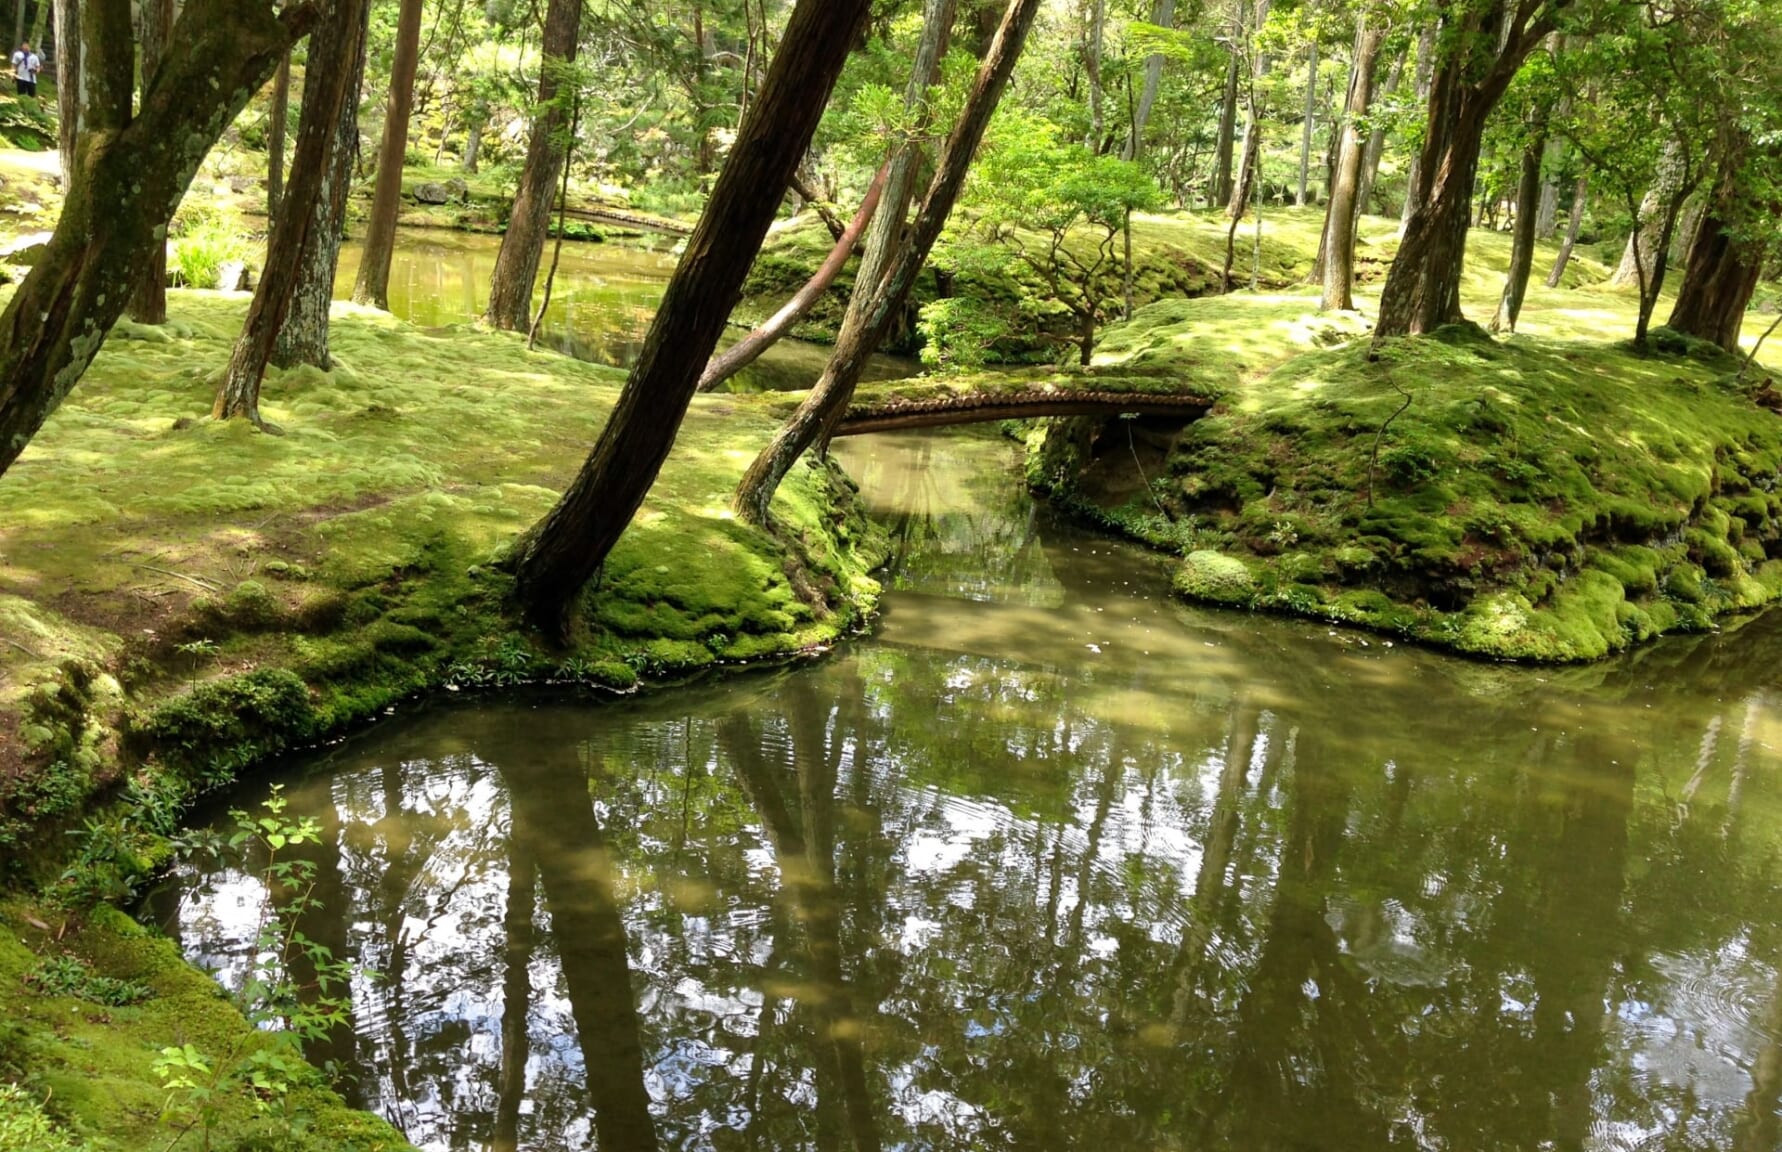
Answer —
1555 495
180 598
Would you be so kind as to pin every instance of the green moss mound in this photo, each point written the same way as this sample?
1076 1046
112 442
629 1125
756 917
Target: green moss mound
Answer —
1531 498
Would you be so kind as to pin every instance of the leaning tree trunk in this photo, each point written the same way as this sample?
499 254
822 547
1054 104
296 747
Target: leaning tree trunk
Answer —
69 108
563 551
1528 200
300 217
1719 278
1339 214
516 267
1423 289
304 336
277 115
750 348
1376 146
128 180
1163 14
149 306
373 284
1422 77
1580 197
865 324
1245 186
1664 183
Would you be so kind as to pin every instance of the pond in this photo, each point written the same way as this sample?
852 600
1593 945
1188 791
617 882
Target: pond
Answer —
601 304
1052 862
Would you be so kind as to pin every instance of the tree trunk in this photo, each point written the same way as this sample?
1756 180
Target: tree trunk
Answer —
1098 21
68 80
473 146
1670 171
18 24
1307 123
373 284
1376 146
1220 191
749 349
1423 289
559 556
1339 214
1163 14
875 305
150 303
128 181
303 337
1528 198
301 217
1719 278
516 267
1247 168
1547 213
1580 197
1425 71
277 118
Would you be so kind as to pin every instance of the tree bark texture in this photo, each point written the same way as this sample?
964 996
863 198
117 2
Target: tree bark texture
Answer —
1339 214
865 324
129 178
749 349
1098 22
1423 289
563 552
1250 156
1580 198
1163 14
1422 77
373 284
1719 278
68 78
1664 183
150 303
303 337
1307 123
302 215
516 266
277 116
1528 205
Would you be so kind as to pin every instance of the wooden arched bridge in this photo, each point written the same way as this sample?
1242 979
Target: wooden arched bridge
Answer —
888 411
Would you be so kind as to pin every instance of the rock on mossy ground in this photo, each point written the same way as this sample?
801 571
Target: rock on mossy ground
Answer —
1550 496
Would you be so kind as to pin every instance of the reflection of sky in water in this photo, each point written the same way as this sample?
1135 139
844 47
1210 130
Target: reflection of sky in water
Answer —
975 885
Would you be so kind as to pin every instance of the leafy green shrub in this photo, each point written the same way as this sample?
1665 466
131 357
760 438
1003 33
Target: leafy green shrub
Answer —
198 255
221 726
71 976
25 1128
958 333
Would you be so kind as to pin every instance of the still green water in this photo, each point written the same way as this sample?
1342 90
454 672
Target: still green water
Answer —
603 300
1051 862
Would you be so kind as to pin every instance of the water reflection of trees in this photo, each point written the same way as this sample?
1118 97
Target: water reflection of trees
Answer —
918 899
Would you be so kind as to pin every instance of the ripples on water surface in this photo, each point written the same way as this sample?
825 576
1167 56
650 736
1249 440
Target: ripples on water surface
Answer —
1053 863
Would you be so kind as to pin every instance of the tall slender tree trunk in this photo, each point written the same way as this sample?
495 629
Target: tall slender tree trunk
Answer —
1423 289
1250 155
1580 198
1425 72
373 284
1528 202
18 23
516 266
277 116
1098 22
564 550
1163 14
1376 145
128 181
865 325
69 109
1339 214
1307 123
149 306
1547 212
299 218
473 146
1219 193
303 337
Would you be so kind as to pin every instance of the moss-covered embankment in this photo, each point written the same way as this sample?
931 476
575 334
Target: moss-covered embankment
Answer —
181 598
1527 498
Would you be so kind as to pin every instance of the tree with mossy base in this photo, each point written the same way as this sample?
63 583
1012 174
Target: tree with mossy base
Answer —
1059 211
